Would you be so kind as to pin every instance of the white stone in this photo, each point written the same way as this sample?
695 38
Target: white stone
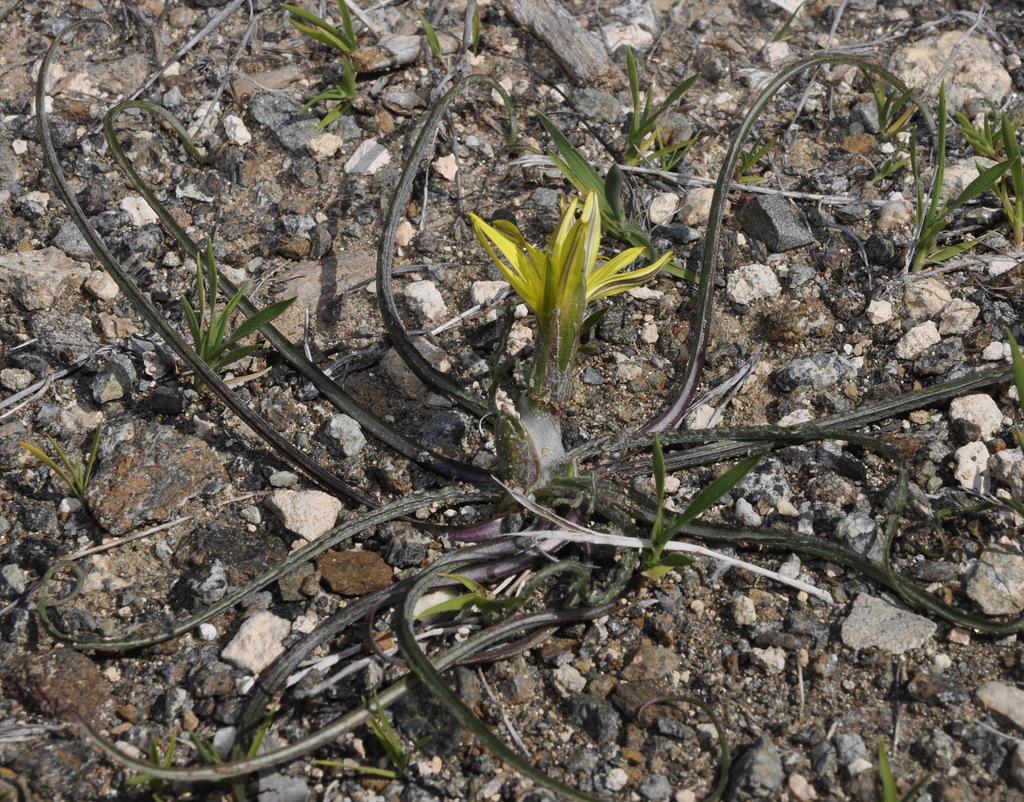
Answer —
616 779
100 285
426 301
980 410
434 354
324 145
752 283
404 234
368 158
695 206
633 36
895 212
776 52
772 659
519 337
259 642
972 466
958 316
917 340
306 513
446 166
743 612
879 312
663 206
745 513
138 211
799 789
483 293
208 632
568 681
20 147
1003 700
649 333
858 766
645 294
999 265
347 433
235 130
993 352
16 379
926 297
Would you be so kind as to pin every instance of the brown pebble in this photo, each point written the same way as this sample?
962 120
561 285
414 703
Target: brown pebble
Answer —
58 679
353 573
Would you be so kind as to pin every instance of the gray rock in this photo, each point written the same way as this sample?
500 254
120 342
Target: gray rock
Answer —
596 716
941 358
70 240
849 747
757 773
114 380
597 105
444 429
858 530
771 220
766 482
276 786
997 584
655 788
344 433
12 581
35 278
879 623
281 115
815 372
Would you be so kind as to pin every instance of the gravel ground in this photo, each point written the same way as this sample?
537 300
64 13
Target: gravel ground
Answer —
804 689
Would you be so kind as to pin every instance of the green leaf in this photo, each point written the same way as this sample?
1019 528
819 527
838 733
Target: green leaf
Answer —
888 790
984 181
266 315
714 491
576 168
432 40
1018 368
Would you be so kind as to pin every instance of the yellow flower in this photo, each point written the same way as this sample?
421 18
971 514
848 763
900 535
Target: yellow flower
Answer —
550 280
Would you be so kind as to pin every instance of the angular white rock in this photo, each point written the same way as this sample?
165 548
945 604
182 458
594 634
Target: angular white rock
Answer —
138 210
662 207
879 312
426 301
259 642
925 297
980 410
324 145
972 467
236 131
368 158
958 316
752 283
306 513
917 340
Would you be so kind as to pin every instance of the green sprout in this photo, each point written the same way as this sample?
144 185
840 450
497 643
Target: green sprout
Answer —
885 785
997 137
209 328
343 39
644 131
390 742
657 563
751 156
894 107
344 93
431 34
930 215
71 471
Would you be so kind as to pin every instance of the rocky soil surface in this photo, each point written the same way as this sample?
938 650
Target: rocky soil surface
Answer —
814 300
